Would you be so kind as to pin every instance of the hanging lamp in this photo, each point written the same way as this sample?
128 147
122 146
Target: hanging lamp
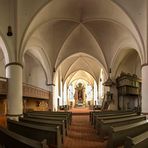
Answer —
9 33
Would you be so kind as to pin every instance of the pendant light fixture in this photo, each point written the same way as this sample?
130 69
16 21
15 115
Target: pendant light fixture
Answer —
9 33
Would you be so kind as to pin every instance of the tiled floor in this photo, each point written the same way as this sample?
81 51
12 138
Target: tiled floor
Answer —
82 134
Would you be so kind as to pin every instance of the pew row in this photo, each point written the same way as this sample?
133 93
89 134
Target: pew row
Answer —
46 123
117 135
36 132
111 115
105 124
9 139
68 114
52 115
105 118
49 118
140 141
93 113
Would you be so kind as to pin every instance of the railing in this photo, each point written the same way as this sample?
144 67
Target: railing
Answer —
28 90
34 92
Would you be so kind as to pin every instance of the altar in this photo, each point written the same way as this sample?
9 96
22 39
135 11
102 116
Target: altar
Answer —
79 95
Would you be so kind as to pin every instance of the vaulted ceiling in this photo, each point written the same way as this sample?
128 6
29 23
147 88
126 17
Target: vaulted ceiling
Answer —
81 35
80 62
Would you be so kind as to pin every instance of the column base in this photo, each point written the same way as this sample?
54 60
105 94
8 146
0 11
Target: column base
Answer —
14 116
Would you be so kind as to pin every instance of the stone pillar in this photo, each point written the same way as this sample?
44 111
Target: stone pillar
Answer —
93 100
51 89
14 96
145 89
65 94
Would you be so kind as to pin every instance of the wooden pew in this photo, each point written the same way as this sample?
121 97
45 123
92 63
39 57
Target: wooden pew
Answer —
117 135
105 124
65 117
69 114
111 115
93 113
50 119
104 118
36 132
140 141
9 139
46 123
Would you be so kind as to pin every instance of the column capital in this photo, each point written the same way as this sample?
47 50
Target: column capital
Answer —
14 63
51 84
143 65
14 115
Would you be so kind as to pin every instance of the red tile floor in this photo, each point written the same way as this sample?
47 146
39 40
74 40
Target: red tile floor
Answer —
82 135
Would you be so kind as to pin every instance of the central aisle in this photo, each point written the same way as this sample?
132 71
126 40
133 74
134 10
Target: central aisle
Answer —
82 135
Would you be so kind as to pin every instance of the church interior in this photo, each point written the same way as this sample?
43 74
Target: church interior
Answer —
73 73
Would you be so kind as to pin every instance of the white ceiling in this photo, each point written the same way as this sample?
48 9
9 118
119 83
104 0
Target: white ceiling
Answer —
80 62
81 35
80 74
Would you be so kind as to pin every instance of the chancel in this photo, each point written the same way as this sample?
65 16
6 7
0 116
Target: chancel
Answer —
73 73
79 95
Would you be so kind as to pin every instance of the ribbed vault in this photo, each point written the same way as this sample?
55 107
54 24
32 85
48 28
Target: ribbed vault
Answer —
80 74
80 62
99 28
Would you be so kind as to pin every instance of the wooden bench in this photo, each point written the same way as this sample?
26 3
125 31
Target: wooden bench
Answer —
65 117
140 141
68 114
117 135
49 119
105 124
36 132
92 114
9 139
111 115
46 123
104 118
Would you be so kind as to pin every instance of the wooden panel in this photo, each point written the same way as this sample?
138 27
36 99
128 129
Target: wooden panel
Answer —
128 84
3 121
35 92
28 90
3 87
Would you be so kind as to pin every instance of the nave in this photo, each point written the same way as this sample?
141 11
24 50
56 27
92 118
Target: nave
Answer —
82 134
78 129
57 55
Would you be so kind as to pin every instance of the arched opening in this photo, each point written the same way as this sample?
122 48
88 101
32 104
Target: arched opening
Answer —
2 64
76 82
130 63
33 72
34 85
81 89
128 80
4 59
93 30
